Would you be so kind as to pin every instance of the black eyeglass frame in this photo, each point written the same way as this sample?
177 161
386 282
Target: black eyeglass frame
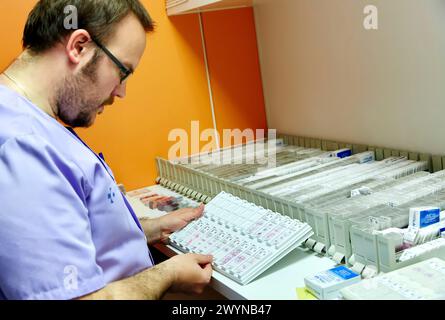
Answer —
122 68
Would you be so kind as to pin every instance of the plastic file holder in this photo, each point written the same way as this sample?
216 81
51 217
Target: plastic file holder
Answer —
243 238
308 185
421 281
364 236
408 191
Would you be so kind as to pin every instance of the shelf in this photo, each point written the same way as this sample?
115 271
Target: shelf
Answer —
176 7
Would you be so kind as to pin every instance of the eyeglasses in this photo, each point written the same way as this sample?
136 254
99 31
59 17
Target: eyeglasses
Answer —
125 72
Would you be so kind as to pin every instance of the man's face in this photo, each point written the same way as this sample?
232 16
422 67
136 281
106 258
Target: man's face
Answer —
85 93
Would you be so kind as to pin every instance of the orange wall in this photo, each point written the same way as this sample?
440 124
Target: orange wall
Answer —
13 16
169 88
234 66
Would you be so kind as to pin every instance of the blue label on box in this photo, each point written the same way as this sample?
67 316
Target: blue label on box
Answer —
344 272
428 217
344 154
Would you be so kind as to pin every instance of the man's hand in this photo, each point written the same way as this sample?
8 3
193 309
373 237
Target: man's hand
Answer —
186 273
161 228
192 272
177 220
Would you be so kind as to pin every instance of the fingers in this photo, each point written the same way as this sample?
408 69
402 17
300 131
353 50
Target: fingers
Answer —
199 211
203 259
193 272
189 214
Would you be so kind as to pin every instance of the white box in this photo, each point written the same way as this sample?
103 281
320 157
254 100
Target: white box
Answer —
423 216
326 285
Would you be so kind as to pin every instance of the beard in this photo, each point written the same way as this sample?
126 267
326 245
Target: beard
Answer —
77 104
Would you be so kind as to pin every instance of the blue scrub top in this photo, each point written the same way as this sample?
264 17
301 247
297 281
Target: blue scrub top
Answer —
65 228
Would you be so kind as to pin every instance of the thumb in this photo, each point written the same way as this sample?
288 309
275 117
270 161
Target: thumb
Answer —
208 271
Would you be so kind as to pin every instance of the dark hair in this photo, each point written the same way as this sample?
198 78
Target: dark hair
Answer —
45 24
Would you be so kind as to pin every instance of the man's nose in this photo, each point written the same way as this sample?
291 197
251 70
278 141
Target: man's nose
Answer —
121 90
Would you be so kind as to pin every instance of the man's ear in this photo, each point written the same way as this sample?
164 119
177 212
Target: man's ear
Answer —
77 44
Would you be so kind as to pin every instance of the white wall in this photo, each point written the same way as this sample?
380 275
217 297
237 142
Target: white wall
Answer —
326 76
